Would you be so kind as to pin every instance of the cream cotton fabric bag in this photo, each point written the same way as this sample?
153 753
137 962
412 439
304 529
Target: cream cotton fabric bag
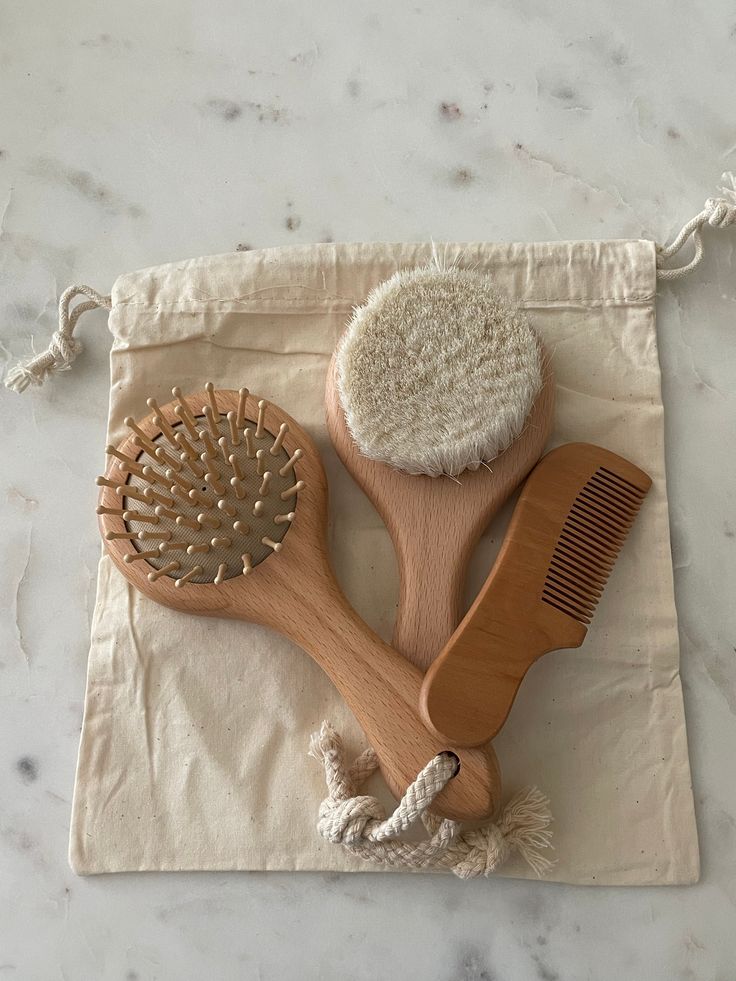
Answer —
193 748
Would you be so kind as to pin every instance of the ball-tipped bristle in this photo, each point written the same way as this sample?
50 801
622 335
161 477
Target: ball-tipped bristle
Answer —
204 499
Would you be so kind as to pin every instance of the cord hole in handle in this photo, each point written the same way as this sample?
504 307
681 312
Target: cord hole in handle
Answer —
455 759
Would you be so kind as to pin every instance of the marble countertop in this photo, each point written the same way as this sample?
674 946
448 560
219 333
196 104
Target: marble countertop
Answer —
139 133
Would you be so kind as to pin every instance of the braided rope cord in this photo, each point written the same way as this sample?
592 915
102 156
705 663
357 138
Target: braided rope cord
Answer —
63 347
717 212
358 822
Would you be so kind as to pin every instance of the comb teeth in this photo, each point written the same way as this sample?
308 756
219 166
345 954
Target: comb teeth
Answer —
221 469
592 535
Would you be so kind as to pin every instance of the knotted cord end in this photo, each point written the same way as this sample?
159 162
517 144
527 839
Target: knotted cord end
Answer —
358 822
719 212
63 348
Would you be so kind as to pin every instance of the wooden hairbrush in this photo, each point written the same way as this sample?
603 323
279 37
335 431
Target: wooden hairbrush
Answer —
571 520
216 504
436 522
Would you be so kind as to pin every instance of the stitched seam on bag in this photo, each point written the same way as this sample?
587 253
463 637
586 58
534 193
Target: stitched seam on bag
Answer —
623 300
184 305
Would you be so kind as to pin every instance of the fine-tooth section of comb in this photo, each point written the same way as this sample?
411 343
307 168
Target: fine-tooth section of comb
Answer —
202 488
567 530
590 539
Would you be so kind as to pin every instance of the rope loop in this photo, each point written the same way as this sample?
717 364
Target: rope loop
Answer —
63 348
717 212
358 822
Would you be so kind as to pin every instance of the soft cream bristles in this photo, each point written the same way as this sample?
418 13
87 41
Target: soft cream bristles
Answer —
437 371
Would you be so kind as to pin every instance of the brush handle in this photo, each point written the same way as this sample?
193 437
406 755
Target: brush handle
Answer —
381 688
431 579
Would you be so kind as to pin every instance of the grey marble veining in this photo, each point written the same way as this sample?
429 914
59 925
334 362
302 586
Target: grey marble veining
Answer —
139 133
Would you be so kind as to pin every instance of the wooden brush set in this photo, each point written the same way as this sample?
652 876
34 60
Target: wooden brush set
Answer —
216 504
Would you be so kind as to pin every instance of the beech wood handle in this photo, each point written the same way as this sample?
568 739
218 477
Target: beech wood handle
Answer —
431 580
382 690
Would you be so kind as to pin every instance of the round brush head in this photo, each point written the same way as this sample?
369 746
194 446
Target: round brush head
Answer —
208 498
437 372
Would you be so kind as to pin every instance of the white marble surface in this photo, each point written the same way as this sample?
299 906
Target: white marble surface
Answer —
137 133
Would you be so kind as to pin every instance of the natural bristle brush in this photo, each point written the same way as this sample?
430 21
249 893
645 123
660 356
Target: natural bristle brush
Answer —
570 523
216 504
439 401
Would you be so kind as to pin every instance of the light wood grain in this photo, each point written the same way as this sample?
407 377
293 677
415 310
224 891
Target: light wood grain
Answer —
542 589
295 592
435 522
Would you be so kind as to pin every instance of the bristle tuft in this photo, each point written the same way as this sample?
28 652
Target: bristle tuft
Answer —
276 448
289 465
149 519
211 395
240 418
234 432
260 429
293 491
163 571
249 444
182 412
192 574
211 421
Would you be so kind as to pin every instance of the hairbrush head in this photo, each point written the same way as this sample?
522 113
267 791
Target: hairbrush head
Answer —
437 372
204 493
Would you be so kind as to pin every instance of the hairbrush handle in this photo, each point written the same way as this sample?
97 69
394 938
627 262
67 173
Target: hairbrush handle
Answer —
380 687
431 578
434 543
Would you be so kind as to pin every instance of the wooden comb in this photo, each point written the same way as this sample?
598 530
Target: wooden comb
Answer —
216 504
565 534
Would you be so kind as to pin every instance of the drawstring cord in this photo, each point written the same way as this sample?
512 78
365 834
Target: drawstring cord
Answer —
718 212
64 347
